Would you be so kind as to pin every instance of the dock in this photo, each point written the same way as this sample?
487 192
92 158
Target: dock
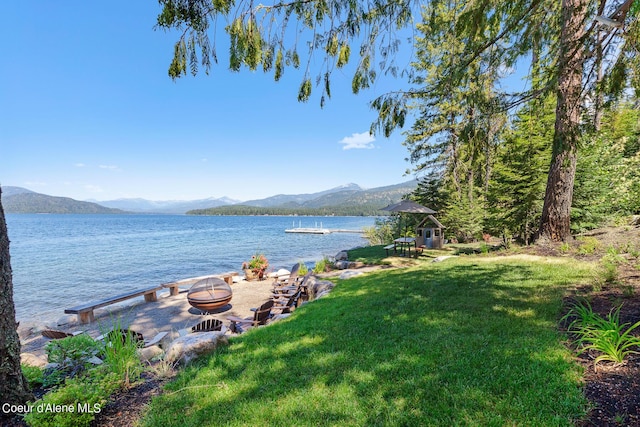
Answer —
308 230
318 230
305 230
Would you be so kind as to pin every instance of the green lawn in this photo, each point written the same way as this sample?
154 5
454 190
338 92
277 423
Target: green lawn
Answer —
464 342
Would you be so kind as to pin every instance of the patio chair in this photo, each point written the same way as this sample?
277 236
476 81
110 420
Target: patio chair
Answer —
291 304
291 279
137 337
261 316
288 291
290 282
56 335
208 325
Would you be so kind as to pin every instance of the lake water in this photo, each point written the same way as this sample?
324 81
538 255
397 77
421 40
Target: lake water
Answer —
59 261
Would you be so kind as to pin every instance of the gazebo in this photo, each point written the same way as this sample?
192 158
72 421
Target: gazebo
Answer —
429 231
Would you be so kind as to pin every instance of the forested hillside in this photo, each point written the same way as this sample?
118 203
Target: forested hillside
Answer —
499 188
257 210
41 203
348 202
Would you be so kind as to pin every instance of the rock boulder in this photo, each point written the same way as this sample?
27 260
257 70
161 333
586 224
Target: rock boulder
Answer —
342 256
349 274
319 288
186 348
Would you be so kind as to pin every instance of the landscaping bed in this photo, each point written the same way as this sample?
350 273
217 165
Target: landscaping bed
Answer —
612 390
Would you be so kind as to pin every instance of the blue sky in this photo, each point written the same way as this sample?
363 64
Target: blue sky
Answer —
89 112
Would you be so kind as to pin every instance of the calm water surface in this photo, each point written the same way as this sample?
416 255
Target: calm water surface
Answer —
62 260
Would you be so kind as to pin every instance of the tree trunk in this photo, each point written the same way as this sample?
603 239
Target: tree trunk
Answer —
555 222
13 386
453 159
599 100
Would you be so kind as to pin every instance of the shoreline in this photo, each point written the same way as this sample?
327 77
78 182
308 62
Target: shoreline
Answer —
59 262
168 314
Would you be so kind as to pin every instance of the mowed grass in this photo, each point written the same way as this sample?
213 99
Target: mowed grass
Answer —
470 342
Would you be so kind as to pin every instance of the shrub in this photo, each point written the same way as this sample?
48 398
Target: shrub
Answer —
72 350
303 269
608 272
604 335
323 265
85 391
74 404
613 256
34 375
588 245
582 314
71 356
120 355
382 231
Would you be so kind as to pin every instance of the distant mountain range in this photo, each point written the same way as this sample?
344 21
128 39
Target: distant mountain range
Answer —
296 200
343 196
22 200
165 206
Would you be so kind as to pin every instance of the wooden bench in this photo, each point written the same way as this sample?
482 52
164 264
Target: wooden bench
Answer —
389 247
85 311
228 277
174 288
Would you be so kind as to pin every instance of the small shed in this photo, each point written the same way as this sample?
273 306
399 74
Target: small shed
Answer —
430 233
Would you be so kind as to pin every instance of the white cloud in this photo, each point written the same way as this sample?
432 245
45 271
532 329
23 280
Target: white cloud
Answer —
358 140
110 167
80 165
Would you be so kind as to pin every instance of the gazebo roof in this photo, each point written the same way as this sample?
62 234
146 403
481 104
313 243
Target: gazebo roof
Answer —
408 206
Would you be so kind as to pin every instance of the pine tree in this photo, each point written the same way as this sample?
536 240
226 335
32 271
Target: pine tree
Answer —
485 36
517 189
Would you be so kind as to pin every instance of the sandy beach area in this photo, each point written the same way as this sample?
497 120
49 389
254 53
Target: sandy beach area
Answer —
167 314
171 314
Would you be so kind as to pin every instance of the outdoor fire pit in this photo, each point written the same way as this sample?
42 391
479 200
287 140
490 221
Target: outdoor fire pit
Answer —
209 294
